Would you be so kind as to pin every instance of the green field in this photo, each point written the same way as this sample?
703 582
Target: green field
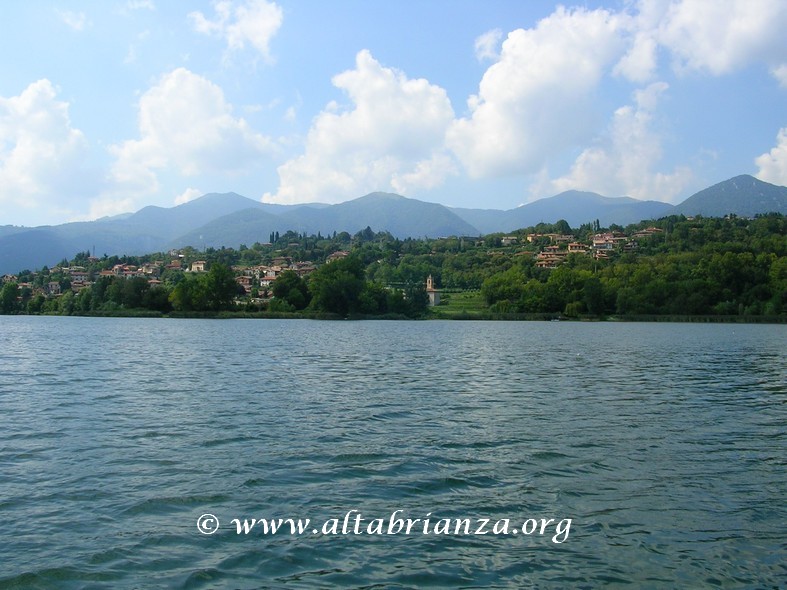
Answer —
464 302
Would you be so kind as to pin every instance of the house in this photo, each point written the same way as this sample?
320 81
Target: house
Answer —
337 255
509 240
647 232
603 241
151 269
77 286
78 276
199 266
245 282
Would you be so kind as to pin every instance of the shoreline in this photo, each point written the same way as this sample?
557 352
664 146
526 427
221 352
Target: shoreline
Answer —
458 316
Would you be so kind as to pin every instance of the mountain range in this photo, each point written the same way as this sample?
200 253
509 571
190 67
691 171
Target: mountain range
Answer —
230 219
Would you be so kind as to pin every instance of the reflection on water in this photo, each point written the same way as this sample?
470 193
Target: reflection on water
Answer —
664 443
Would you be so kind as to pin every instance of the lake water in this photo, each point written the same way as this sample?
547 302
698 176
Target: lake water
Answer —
665 444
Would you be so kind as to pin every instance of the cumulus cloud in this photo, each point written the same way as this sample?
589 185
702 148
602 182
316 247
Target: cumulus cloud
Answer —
772 166
723 35
186 126
487 45
534 101
624 161
253 23
640 62
41 154
714 37
391 138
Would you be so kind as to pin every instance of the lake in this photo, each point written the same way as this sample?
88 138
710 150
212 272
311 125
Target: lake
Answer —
664 444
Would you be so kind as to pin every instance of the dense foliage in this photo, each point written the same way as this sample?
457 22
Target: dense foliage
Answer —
695 267
711 266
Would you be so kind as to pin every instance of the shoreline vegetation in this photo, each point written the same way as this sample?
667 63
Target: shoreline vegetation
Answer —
674 269
450 316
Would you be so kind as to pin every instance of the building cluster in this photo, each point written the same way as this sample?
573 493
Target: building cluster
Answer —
262 276
601 245
79 277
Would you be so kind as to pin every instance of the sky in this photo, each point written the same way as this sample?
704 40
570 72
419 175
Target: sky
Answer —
106 107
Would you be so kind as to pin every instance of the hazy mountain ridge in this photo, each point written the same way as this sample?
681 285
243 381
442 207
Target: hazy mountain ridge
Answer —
742 195
576 207
230 220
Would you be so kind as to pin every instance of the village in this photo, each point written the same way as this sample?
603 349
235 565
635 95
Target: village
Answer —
549 250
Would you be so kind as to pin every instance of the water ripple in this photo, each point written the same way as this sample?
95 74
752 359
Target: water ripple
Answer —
665 444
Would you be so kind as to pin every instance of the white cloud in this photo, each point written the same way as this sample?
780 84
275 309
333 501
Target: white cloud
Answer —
780 73
773 165
623 163
254 22
535 101
487 46
716 37
76 20
391 138
186 127
723 35
188 195
41 154
639 64
426 174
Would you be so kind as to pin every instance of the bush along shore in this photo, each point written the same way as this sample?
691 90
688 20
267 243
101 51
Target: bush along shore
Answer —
672 269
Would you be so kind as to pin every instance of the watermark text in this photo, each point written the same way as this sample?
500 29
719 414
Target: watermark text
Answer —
353 522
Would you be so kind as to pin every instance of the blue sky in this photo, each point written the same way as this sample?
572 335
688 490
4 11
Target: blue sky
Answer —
106 107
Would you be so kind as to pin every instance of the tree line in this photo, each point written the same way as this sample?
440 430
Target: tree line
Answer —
700 266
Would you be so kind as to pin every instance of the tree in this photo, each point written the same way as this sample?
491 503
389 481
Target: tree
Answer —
134 291
8 298
189 295
220 287
562 227
337 286
291 288
157 299
593 296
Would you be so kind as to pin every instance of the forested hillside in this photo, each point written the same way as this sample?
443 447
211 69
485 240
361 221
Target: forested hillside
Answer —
674 266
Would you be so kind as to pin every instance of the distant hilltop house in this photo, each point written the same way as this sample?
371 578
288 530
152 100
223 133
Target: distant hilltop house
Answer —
431 292
337 255
199 266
